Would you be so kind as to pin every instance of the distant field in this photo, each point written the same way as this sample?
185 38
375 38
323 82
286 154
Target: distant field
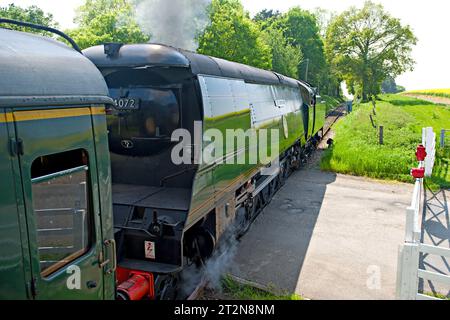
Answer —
432 92
356 150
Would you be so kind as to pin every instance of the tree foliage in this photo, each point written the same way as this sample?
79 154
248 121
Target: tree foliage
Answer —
285 57
302 28
266 15
101 21
323 18
232 35
366 46
32 14
390 86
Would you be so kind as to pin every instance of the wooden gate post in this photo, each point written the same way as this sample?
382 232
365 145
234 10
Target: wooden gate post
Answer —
381 134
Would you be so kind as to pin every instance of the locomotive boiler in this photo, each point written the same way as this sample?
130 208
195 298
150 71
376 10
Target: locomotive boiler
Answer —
170 215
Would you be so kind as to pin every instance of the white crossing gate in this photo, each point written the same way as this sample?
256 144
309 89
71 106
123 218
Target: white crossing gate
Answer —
408 271
429 141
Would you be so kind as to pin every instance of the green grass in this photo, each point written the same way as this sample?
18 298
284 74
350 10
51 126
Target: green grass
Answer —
356 150
437 295
432 92
245 292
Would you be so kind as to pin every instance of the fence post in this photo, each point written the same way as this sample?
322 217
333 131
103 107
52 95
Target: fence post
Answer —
409 227
442 138
409 284
407 275
430 144
400 293
381 135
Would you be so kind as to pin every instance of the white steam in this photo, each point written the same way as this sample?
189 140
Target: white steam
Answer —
221 263
173 22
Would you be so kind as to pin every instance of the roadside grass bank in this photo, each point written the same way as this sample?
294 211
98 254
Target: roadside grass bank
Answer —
356 149
231 289
431 92
437 295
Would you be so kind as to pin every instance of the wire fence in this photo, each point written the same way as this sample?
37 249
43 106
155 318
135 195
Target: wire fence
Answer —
445 139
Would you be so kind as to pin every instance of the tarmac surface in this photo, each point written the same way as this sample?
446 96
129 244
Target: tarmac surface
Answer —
327 236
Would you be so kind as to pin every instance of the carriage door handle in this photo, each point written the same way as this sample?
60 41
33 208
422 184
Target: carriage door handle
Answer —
111 243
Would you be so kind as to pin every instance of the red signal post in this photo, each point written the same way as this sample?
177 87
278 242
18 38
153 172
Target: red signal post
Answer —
421 153
418 173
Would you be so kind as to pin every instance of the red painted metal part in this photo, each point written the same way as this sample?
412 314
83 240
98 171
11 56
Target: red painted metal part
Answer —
421 153
135 285
418 173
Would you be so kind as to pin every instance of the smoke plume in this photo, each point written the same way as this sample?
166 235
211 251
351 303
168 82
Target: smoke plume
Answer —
221 263
173 22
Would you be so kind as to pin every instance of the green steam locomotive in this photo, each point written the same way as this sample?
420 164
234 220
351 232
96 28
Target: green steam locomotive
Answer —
102 192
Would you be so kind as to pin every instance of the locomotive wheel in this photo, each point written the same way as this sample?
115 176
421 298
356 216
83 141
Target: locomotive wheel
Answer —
246 215
243 220
169 287
265 195
258 205
274 186
204 244
284 174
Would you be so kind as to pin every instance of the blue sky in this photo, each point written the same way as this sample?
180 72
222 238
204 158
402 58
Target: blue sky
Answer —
429 20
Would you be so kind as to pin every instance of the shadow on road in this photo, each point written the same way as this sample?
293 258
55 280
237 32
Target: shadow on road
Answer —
284 230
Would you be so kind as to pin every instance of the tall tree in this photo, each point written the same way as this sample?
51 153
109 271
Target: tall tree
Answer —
265 15
101 21
323 18
303 30
32 14
234 36
367 45
390 86
285 56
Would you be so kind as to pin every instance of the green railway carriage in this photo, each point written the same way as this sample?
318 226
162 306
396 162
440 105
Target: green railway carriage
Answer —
55 187
169 215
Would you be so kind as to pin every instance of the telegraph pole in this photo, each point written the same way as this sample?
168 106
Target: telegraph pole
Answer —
307 67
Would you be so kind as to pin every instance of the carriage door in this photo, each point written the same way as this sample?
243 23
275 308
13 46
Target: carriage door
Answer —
57 162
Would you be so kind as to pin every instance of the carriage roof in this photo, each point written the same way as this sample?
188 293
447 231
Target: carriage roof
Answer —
37 70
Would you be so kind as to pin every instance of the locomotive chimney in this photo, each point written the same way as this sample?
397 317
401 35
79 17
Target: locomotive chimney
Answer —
112 49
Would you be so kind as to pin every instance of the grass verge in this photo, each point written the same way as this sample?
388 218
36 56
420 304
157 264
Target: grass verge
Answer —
239 291
437 295
356 150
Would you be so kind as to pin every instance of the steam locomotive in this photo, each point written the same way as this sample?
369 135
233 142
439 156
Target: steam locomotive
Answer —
60 154
168 215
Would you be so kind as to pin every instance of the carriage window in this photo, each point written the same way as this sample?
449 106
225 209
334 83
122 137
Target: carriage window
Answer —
60 186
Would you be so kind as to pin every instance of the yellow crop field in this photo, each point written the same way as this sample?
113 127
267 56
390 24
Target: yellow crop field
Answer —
432 92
